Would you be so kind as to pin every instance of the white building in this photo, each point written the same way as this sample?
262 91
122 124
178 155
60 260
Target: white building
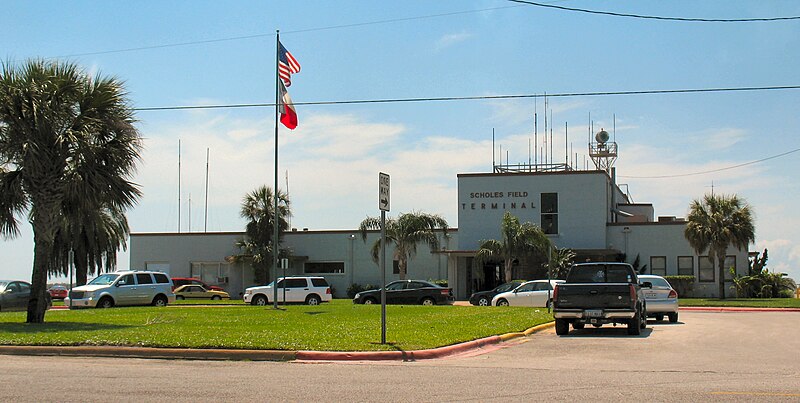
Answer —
584 210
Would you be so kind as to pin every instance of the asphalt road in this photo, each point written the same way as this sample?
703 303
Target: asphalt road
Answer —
704 357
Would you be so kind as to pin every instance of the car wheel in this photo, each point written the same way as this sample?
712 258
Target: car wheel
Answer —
428 301
370 301
502 302
562 327
549 303
312 300
105 302
659 317
180 297
634 325
259 300
577 325
673 317
160 301
216 298
483 301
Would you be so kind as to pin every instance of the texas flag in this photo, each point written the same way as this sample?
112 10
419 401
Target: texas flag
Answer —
286 108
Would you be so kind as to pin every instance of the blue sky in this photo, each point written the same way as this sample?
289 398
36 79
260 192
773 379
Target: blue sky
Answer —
381 50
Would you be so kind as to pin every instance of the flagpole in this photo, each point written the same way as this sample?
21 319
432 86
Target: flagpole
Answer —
275 188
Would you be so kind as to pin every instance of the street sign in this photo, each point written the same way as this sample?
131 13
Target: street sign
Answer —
383 191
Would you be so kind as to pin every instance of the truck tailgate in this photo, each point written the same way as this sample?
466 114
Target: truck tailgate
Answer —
594 296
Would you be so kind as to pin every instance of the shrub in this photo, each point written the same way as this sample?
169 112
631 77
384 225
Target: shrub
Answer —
440 282
356 288
683 285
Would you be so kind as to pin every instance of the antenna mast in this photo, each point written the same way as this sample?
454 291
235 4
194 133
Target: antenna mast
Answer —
205 220
179 186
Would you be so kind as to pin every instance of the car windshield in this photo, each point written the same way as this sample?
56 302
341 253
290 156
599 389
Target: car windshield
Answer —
105 279
506 287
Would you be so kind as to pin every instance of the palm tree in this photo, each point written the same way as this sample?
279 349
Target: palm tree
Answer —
560 262
518 240
94 237
406 231
717 222
258 208
65 137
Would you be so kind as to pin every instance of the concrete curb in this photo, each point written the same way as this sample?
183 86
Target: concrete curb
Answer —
264 355
150 352
734 309
415 355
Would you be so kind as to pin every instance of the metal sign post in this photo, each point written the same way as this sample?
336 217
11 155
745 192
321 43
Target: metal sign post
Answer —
383 205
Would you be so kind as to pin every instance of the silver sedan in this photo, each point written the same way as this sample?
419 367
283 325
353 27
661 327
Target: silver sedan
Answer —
661 299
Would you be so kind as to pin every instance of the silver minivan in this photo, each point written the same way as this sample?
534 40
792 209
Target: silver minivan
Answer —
123 288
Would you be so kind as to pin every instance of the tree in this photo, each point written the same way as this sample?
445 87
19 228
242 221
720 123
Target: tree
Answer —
560 262
258 207
65 139
717 222
518 240
405 232
94 236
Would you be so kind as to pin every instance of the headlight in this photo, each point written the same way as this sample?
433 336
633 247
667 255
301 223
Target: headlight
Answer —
358 295
248 292
88 295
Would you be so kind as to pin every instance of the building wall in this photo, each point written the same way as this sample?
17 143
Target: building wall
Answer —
583 205
667 240
174 253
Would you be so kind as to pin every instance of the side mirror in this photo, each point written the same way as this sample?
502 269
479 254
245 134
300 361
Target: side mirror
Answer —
647 284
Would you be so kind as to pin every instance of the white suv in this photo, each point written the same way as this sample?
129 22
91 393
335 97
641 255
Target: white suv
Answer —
123 288
308 290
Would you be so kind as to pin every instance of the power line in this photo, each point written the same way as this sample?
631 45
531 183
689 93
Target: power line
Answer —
272 34
712 170
652 17
483 97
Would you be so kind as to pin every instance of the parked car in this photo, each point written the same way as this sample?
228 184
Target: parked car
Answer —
408 292
661 298
484 298
537 293
308 290
14 295
123 288
191 291
58 291
179 281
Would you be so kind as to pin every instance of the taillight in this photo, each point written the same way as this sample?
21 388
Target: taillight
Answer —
328 290
633 293
555 293
445 291
673 294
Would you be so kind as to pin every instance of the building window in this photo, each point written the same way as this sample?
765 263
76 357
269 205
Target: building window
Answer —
550 213
685 266
658 265
730 261
705 269
212 273
324 267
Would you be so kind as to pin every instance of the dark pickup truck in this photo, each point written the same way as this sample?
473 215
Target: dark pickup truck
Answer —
597 294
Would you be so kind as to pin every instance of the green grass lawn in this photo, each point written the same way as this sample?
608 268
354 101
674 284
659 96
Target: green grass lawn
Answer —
748 303
336 326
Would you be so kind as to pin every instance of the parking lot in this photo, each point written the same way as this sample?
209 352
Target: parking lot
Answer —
706 356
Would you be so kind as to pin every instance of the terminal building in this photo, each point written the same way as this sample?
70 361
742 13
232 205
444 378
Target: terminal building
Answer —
583 210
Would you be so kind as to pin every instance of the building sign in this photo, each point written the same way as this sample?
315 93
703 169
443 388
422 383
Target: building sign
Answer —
505 200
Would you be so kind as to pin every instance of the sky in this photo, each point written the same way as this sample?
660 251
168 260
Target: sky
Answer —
673 148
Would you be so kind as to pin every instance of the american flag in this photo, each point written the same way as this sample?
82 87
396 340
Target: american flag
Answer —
287 65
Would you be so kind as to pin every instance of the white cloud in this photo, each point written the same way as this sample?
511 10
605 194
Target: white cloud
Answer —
451 39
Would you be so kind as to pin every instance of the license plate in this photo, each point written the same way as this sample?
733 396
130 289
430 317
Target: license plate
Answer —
651 295
593 313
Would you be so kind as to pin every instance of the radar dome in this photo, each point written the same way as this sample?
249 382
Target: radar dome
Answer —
601 136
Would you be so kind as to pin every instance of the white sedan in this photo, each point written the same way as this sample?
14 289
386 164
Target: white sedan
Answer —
537 293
